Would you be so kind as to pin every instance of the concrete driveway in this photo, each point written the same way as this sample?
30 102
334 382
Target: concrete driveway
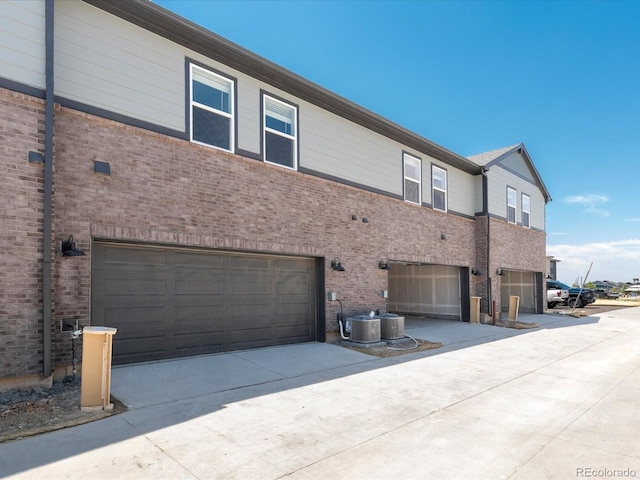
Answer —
559 401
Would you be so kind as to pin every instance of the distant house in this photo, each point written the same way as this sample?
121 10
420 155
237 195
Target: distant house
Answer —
159 179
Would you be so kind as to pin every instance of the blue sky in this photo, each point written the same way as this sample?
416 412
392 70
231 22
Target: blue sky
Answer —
561 77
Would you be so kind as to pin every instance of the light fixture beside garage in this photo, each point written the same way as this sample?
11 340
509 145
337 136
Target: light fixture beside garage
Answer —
69 248
500 271
475 271
337 265
383 265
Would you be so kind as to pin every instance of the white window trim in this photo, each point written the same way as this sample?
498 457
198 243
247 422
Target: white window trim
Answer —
528 212
406 156
230 115
266 129
443 190
514 206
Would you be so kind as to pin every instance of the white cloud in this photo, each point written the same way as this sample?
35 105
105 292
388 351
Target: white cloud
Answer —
590 202
637 219
617 261
591 199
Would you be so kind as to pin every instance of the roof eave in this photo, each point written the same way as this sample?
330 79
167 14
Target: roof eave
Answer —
177 29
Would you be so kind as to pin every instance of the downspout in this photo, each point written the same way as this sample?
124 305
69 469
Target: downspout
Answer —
485 209
48 192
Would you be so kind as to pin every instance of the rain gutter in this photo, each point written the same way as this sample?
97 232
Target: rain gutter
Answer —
48 192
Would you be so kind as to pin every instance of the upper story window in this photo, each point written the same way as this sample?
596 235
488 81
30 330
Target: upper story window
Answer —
212 105
280 133
511 205
412 179
439 187
526 211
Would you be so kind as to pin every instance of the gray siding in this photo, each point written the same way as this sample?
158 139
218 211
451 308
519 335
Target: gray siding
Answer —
108 63
499 180
22 42
517 163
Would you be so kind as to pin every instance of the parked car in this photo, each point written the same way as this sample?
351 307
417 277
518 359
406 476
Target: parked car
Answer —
578 296
555 295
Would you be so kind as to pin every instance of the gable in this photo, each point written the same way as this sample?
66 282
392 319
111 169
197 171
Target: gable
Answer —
516 164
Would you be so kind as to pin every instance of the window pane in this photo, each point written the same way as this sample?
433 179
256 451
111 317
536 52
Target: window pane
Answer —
439 200
211 128
511 215
279 150
439 178
525 219
211 91
511 197
411 191
279 116
412 168
279 125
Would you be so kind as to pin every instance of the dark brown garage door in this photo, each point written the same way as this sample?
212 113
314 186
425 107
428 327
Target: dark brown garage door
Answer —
171 302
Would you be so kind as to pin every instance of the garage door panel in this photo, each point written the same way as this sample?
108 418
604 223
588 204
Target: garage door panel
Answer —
425 289
128 257
193 316
169 302
241 285
199 260
135 318
199 286
244 263
210 341
129 283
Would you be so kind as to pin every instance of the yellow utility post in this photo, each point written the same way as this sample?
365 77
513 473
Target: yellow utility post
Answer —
475 310
514 305
95 388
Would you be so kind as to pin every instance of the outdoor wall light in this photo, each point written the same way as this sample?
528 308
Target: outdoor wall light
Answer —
365 220
354 217
383 265
336 265
500 271
475 271
69 248
443 236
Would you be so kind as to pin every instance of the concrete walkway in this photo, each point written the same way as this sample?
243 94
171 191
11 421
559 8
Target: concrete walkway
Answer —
560 401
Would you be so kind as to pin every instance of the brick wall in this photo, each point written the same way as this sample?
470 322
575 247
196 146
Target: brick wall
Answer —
21 200
515 248
170 191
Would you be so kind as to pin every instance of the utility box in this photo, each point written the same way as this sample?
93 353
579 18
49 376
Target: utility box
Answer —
514 305
95 386
475 310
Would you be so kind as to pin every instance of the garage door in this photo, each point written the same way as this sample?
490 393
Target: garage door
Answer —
171 302
432 290
520 284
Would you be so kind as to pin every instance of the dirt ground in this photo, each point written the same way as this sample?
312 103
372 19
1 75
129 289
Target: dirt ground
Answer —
30 412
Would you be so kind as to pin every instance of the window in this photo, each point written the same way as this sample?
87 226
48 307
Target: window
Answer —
211 108
280 133
526 210
439 186
511 205
412 179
